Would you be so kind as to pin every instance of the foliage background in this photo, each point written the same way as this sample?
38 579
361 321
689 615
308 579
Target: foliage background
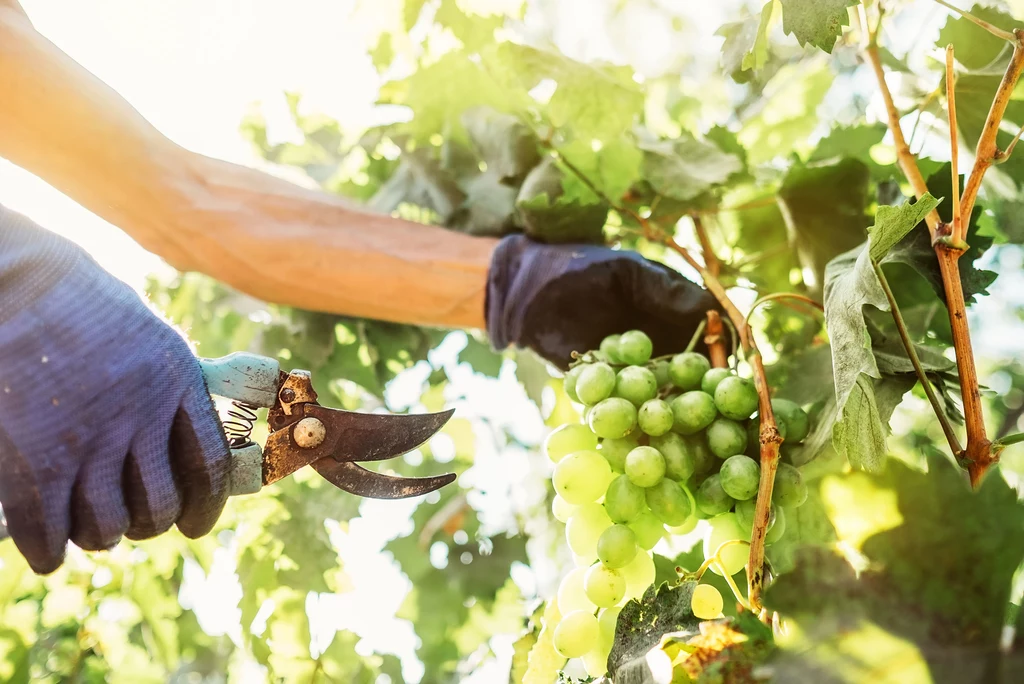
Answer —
439 590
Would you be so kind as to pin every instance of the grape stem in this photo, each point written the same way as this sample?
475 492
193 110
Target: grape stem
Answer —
696 336
782 295
770 438
716 559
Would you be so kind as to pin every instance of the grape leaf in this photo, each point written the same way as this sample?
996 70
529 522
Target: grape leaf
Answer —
543 661
949 606
746 41
975 47
860 435
642 623
419 180
474 31
411 13
807 525
489 207
506 145
816 22
685 167
481 357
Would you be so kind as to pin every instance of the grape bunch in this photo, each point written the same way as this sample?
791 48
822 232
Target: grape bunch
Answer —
665 442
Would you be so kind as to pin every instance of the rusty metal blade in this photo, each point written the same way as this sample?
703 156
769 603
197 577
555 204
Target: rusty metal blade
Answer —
357 480
377 436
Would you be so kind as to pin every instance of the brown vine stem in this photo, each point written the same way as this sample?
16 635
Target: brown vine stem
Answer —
770 438
957 235
714 339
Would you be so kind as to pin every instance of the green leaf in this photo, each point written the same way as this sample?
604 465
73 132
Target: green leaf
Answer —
642 623
860 435
421 181
481 357
551 215
685 167
411 13
893 223
503 142
950 607
816 22
543 662
473 31
746 41
806 526
974 47
612 167
489 207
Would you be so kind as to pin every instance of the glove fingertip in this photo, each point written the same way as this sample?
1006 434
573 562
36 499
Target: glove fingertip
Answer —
202 460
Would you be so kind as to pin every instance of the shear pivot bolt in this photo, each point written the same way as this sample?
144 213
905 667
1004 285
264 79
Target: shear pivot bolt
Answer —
309 433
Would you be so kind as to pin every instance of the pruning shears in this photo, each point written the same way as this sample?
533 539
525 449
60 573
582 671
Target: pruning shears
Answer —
302 432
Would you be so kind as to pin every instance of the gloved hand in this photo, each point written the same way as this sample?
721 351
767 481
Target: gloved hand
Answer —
106 427
556 299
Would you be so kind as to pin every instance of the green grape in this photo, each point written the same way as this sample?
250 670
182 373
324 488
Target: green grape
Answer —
740 476
726 438
706 602
635 347
709 383
572 593
610 348
645 466
584 529
615 450
607 620
703 459
648 530
595 661
604 586
569 381
735 398
693 412
687 369
568 439
639 574
776 531
660 370
796 418
562 509
754 433
624 501
721 529
688 526
669 503
711 498
790 489
616 546
636 384
596 382
745 516
655 417
575 634
612 418
581 477
679 462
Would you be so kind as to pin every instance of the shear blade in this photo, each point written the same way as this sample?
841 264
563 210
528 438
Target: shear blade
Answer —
357 480
377 436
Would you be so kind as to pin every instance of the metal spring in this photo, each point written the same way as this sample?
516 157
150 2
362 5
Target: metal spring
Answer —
238 427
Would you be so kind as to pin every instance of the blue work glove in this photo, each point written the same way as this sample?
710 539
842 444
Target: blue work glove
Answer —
106 427
556 299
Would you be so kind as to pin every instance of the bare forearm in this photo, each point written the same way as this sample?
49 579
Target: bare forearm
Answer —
262 235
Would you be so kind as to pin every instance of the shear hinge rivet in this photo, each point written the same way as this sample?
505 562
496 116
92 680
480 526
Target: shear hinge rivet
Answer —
309 433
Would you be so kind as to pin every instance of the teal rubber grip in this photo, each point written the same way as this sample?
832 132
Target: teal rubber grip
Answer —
249 378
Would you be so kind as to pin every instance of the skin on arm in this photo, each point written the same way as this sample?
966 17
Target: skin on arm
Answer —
259 234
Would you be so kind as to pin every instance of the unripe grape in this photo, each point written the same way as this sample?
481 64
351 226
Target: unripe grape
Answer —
616 546
596 382
568 439
576 634
687 369
790 490
604 586
572 593
584 529
639 574
740 476
709 383
726 438
693 412
721 529
679 459
706 602
635 347
688 526
562 509
669 503
648 530
797 421
624 501
610 348
645 466
711 498
703 459
582 477
613 418
615 450
778 529
636 384
607 620
655 417
595 661
660 370
735 398
745 516
569 381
